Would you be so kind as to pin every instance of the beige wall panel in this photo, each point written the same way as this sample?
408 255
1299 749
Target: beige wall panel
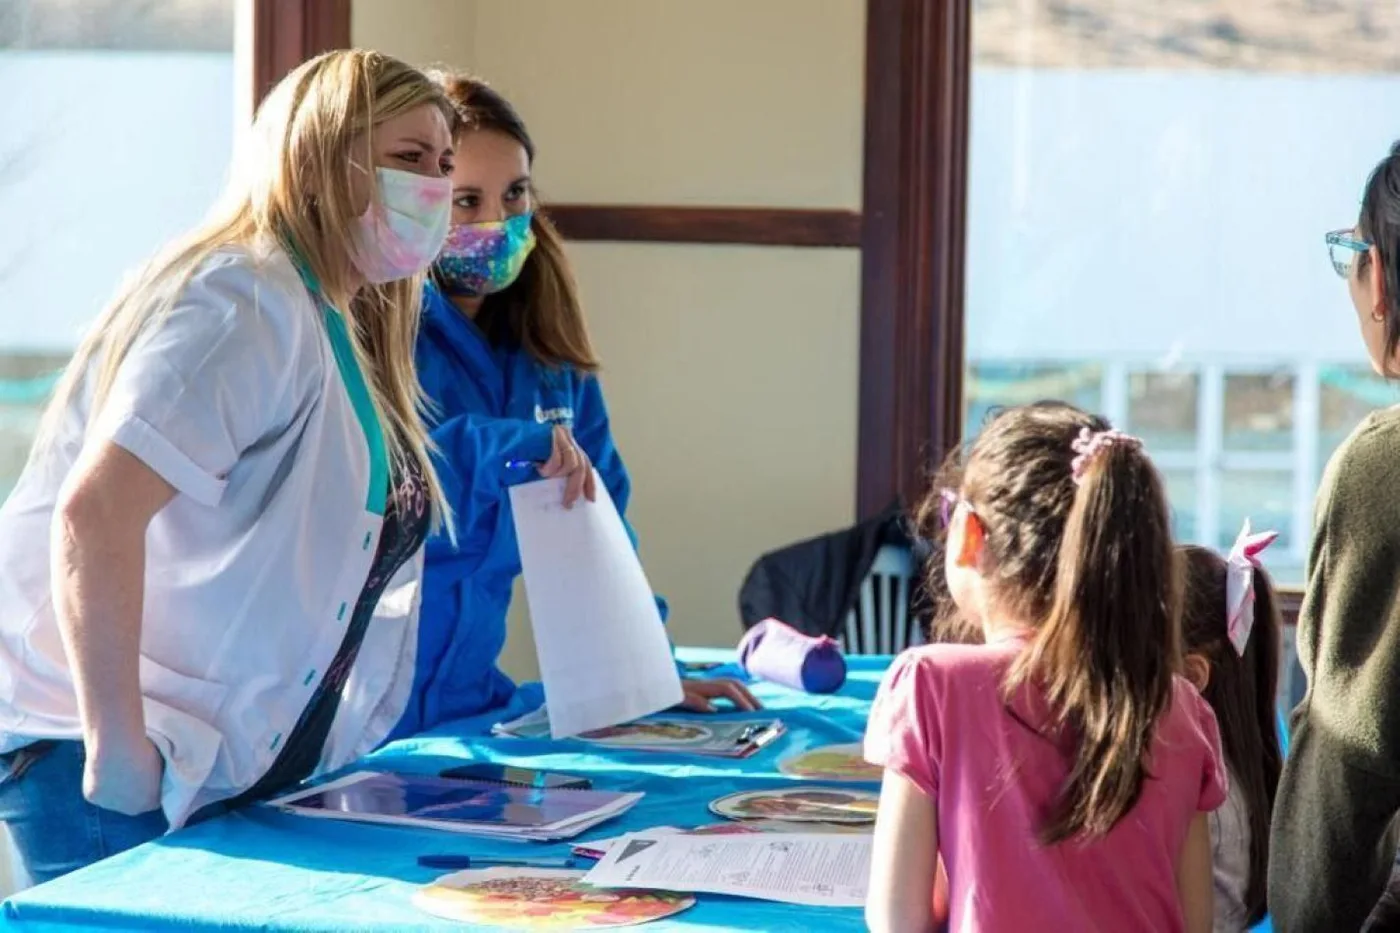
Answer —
421 32
731 377
731 102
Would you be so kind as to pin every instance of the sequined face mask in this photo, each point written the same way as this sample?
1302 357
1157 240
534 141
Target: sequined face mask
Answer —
484 258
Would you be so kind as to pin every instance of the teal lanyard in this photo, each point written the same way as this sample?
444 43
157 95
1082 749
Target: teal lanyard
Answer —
355 387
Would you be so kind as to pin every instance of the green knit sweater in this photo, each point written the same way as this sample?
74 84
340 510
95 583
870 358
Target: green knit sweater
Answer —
1334 834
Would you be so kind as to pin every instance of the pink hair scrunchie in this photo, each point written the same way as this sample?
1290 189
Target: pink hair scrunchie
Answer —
1090 445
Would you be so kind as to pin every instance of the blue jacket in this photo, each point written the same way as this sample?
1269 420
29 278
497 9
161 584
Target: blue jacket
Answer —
494 404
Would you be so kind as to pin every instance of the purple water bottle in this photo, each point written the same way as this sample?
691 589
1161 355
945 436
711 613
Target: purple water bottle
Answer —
778 652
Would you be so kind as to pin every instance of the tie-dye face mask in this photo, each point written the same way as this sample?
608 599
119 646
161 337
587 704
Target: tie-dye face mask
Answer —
484 258
404 227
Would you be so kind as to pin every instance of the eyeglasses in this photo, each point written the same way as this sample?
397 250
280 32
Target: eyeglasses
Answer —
1343 247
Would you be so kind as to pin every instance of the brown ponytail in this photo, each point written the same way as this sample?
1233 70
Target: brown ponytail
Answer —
1106 653
1090 564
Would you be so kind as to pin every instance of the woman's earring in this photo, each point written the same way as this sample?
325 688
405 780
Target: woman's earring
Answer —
1378 316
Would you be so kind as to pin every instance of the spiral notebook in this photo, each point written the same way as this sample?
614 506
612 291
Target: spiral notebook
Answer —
475 808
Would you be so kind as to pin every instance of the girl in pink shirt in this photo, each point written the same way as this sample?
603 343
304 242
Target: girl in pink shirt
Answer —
1060 772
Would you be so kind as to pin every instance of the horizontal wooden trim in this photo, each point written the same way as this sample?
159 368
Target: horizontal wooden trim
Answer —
755 226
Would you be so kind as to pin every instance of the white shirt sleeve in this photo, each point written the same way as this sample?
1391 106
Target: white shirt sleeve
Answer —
206 380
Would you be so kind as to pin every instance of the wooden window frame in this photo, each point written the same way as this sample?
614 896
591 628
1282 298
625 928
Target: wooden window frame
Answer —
288 32
917 75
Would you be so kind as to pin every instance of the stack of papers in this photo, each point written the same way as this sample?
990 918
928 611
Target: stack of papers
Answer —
796 868
475 808
716 738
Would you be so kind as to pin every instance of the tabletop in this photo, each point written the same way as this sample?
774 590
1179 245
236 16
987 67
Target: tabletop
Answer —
264 869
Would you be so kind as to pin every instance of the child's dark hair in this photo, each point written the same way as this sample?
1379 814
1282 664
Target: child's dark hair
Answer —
1242 690
1090 564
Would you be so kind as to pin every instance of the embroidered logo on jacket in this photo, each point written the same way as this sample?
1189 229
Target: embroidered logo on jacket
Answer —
562 415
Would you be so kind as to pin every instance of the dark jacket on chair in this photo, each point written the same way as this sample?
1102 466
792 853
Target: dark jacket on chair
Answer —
812 585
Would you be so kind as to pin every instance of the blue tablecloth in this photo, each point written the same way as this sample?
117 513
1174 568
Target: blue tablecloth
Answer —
266 870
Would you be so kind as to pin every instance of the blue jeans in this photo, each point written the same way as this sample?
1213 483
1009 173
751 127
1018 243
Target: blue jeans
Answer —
53 826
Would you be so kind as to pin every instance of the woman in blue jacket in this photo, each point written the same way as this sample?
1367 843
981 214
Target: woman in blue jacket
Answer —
504 355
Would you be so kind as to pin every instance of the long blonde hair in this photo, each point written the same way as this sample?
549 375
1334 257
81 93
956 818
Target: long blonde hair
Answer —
291 186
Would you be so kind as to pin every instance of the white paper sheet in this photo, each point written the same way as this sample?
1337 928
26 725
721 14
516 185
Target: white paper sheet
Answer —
599 847
603 652
798 868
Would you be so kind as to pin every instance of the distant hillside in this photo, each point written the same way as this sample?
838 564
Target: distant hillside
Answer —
1327 36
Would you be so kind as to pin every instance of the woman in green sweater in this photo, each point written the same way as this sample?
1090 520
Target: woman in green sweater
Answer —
1335 819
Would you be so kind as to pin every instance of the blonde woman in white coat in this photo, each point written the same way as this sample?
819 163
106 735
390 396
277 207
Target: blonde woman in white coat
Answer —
231 485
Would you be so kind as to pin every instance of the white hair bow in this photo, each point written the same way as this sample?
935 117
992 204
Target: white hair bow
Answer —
1239 584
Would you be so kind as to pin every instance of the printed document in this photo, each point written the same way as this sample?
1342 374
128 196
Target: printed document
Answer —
603 651
819 870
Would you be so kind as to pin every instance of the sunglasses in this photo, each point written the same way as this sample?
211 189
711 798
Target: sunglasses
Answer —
1343 247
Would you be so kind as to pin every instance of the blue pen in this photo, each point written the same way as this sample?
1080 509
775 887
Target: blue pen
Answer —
523 464
456 862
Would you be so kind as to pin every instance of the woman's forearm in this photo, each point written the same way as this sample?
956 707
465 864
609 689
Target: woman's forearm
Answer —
98 563
98 571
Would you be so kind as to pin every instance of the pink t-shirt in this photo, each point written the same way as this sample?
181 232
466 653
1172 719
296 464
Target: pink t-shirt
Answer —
941 722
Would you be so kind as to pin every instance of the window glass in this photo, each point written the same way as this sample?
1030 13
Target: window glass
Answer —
1181 492
994 385
1162 409
1259 411
1122 215
119 141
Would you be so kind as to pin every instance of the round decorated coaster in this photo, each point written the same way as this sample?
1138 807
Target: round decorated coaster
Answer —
800 805
542 899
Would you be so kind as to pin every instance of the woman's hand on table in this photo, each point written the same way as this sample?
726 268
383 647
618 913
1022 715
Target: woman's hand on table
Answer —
701 694
568 460
124 776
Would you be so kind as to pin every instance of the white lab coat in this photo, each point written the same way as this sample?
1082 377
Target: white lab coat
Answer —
253 570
